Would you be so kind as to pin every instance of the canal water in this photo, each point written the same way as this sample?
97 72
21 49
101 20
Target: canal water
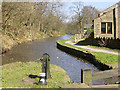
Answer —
31 51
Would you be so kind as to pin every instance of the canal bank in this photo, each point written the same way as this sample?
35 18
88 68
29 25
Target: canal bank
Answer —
84 55
7 42
22 76
107 56
31 51
28 77
109 74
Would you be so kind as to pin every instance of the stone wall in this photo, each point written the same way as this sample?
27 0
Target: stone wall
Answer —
84 55
109 42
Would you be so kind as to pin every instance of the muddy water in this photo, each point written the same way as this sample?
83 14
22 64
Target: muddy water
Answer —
33 50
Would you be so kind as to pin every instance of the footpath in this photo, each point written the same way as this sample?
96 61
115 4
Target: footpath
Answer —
114 65
93 49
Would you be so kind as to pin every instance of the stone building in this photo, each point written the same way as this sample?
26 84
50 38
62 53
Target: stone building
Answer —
107 24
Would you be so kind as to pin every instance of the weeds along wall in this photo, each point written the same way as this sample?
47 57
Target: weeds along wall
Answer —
105 42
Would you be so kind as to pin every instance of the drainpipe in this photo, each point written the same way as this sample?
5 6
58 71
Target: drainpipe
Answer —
114 23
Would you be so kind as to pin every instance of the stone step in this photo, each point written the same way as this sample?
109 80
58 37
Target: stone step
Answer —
105 74
75 85
106 86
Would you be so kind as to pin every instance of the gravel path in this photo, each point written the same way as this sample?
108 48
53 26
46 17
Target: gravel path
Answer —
93 49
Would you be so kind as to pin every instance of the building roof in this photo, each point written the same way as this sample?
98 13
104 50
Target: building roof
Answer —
109 9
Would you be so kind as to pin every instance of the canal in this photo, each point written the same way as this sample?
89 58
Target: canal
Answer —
31 51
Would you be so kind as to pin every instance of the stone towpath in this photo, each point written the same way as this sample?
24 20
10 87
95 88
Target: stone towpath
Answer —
93 49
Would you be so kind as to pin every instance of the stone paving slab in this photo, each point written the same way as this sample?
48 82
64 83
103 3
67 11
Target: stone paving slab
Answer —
75 85
107 77
114 65
106 74
106 86
82 85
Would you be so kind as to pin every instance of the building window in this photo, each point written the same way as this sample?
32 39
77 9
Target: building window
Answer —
109 28
103 28
106 27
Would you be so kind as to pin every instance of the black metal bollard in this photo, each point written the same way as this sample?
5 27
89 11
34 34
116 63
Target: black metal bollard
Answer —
46 65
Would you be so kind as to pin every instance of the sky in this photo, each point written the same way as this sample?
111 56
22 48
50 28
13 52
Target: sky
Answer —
100 5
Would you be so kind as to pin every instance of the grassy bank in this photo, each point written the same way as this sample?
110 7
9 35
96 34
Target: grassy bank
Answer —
28 23
104 58
9 41
13 75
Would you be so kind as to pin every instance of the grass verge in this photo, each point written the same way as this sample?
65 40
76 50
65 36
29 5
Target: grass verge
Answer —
14 73
106 58
63 42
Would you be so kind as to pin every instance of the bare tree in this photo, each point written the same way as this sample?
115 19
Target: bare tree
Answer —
81 15
28 18
89 13
77 17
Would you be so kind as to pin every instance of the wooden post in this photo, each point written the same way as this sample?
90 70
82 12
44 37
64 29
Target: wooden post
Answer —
46 65
86 76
